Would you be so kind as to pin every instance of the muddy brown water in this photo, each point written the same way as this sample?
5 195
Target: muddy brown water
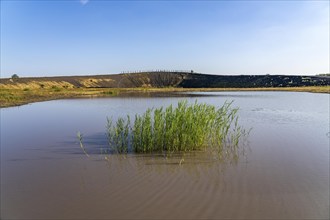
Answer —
283 174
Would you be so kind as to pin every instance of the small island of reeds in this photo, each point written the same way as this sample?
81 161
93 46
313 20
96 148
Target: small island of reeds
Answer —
176 129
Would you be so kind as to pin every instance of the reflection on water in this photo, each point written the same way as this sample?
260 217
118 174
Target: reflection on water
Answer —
195 164
234 146
282 172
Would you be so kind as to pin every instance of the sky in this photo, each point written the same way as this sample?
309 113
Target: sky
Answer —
85 37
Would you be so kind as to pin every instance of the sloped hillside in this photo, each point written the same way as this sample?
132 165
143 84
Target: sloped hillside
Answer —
165 79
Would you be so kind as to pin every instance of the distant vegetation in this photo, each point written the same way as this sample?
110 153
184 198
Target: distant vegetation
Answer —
164 79
21 90
252 81
14 76
323 74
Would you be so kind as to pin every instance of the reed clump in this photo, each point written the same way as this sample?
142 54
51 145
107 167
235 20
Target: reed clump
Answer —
184 128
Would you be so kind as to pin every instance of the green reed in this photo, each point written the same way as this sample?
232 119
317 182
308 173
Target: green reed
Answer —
80 138
184 128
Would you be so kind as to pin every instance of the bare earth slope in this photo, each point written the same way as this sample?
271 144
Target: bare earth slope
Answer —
166 79
19 91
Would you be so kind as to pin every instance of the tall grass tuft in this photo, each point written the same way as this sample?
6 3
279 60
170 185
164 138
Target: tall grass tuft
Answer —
184 128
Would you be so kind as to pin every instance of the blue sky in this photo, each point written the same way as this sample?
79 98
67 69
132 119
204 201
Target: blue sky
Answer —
47 38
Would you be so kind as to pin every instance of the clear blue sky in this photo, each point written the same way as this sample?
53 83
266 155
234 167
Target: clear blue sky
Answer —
47 38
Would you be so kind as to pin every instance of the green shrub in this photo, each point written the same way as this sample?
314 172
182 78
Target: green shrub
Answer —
14 76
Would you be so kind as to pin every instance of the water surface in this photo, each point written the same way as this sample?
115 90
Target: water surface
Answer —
284 173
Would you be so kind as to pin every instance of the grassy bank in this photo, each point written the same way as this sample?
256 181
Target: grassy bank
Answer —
14 96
